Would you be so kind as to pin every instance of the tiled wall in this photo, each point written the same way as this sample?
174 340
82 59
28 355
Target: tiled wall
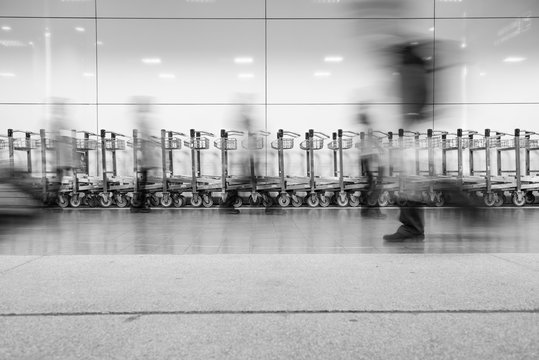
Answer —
300 64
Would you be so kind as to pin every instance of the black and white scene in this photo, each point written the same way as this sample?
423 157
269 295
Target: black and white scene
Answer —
269 179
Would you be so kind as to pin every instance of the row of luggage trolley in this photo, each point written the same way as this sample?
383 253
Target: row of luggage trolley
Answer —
395 184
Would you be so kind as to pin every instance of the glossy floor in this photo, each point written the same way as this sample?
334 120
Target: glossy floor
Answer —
208 231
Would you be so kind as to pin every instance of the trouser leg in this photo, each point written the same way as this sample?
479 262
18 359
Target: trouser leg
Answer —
412 219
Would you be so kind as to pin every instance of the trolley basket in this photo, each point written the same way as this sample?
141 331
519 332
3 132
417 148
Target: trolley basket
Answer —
288 143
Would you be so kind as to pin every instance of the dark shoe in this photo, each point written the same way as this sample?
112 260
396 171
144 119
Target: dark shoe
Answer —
400 237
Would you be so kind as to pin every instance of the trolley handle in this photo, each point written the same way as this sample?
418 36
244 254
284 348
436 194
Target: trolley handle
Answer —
26 132
526 132
115 133
176 133
470 132
87 132
292 134
205 133
350 133
501 133
259 132
235 133
320 135
439 132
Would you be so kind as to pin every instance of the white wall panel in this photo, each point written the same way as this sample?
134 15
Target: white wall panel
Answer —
45 58
181 61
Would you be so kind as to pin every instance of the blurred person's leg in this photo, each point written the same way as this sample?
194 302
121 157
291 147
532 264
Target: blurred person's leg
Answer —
412 219
371 210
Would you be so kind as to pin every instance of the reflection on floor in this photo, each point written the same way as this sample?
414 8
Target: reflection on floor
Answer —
208 231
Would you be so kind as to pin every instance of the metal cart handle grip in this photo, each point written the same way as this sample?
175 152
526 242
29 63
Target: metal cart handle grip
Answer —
350 133
206 133
529 132
320 135
87 132
290 133
235 133
177 133
26 132
261 133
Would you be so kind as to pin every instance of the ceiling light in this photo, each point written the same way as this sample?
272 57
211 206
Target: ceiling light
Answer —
322 74
151 61
243 60
47 34
431 28
88 74
99 42
6 28
333 59
482 74
514 59
167 76
80 29
7 75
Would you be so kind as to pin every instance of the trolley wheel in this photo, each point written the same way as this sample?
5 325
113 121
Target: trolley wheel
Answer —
122 201
384 198
166 201
207 200
439 199
104 201
267 201
283 200
62 201
355 201
238 201
178 200
518 198
324 200
342 200
500 199
75 201
489 199
297 202
196 200
312 200
256 202
530 198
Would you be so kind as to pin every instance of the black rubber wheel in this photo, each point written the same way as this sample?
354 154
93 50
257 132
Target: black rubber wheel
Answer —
284 200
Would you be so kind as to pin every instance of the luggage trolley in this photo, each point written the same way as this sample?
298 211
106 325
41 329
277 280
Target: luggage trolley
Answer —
82 183
201 186
229 142
114 189
288 186
260 186
314 141
57 188
523 185
153 185
343 140
173 186
530 145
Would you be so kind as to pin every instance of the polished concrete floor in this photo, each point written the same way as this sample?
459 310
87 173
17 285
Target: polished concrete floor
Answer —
297 231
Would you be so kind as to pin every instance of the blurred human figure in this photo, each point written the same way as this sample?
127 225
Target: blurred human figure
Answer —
146 158
369 156
63 140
